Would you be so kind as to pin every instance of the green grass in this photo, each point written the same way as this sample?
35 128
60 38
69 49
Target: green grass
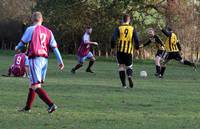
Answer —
97 101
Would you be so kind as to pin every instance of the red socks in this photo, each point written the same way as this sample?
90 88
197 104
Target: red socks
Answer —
44 96
30 98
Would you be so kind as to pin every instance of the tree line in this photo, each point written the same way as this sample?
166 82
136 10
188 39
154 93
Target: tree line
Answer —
68 18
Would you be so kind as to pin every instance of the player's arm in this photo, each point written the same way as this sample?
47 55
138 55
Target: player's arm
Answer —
158 40
146 44
135 39
26 38
179 46
90 42
167 33
56 51
114 38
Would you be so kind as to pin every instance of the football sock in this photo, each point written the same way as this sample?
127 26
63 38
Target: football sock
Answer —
44 96
77 66
30 99
90 64
188 63
129 72
122 76
158 69
162 71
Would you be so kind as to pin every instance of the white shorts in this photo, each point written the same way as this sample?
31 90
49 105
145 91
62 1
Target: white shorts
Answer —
37 70
82 59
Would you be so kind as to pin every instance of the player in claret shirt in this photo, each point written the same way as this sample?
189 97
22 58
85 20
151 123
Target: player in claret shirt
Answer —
40 39
19 68
84 51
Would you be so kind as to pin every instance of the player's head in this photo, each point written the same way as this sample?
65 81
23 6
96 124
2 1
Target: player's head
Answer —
37 17
88 29
127 18
150 32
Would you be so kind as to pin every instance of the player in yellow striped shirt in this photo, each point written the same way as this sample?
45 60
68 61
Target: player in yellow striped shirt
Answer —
172 48
123 41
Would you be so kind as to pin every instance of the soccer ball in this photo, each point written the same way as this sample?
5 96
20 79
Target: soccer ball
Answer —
143 74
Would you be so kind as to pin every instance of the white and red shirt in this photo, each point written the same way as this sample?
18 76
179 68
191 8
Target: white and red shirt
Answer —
84 48
40 39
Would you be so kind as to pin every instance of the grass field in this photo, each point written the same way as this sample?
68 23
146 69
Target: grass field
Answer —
97 101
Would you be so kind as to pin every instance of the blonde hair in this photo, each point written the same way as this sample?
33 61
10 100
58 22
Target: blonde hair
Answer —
36 16
150 31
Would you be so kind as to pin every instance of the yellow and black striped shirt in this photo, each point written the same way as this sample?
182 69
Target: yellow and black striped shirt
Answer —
124 36
171 43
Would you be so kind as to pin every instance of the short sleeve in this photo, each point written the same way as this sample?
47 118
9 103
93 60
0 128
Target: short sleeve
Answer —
26 38
86 38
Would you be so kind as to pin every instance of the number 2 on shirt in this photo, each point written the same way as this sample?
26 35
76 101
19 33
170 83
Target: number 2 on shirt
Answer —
43 37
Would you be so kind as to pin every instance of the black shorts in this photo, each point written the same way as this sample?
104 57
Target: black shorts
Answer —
160 53
172 55
124 58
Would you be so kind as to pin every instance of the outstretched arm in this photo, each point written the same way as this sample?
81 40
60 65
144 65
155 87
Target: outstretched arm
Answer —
146 44
158 40
90 42
168 34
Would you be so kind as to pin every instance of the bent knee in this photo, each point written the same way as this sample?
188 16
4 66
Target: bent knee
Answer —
35 86
93 59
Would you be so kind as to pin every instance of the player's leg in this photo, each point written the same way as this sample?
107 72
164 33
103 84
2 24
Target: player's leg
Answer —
129 72
122 72
182 61
129 69
92 60
157 62
41 68
79 65
27 71
30 99
36 74
10 71
31 93
166 57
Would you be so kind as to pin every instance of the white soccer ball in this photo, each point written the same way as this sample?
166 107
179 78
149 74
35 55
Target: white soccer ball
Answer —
143 74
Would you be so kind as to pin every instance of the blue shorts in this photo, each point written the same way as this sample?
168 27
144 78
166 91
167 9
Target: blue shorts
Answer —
82 59
37 70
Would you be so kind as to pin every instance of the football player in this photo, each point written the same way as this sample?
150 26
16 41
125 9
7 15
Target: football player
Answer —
123 41
84 51
39 39
153 38
19 68
172 48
